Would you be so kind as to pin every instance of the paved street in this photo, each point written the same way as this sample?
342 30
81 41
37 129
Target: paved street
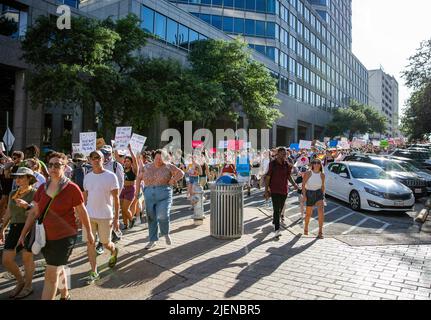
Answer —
197 266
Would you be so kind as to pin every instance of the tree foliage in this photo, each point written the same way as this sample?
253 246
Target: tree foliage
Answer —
8 26
244 81
416 122
357 119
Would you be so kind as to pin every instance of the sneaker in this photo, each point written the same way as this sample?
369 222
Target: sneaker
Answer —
132 223
99 249
93 277
277 234
113 259
168 240
150 245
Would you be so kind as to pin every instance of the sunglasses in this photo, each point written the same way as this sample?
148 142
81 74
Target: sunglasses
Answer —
56 165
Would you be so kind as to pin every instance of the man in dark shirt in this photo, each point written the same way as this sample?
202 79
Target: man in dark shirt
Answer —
279 173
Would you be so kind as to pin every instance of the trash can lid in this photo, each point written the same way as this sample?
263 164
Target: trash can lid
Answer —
226 180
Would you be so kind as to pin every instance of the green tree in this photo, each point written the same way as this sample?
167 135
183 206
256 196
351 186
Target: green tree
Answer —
8 26
244 81
416 120
357 119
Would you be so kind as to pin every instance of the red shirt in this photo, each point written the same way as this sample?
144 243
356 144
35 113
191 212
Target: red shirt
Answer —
229 168
279 174
60 221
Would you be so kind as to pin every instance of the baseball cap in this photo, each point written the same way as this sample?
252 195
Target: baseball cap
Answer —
106 149
96 152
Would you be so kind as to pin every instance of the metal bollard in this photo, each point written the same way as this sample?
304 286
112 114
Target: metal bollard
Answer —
198 204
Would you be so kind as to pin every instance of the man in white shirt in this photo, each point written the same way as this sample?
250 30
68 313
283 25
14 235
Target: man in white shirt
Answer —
101 194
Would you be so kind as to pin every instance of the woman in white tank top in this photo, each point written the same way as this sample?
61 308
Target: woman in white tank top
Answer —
313 192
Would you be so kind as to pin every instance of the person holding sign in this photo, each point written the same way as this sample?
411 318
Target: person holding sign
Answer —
128 196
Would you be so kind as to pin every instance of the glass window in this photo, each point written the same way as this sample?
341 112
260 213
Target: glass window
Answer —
216 21
228 24
292 91
250 4
205 17
261 5
260 49
240 4
270 52
160 26
217 2
270 29
172 32
260 28
250 27
193 37
147 16
270 6
183 36
228 3
238 25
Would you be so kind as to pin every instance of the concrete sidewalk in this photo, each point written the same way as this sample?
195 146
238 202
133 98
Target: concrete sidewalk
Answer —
198 266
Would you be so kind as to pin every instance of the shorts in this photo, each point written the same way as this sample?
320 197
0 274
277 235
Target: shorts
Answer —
128 193
193 180
103 228
313 197
57 252
243 179
12 238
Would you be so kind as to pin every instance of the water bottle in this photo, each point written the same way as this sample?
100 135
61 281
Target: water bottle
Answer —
325 204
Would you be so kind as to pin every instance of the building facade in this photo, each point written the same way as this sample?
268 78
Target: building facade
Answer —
383 95
49 126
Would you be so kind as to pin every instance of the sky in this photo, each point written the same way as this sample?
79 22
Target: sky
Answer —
387 32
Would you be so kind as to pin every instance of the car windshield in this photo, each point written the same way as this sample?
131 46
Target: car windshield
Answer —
389 165
359 172
413 155
408 166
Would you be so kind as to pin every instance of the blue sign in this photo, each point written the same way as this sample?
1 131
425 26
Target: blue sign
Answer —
333 143
294 146
242 164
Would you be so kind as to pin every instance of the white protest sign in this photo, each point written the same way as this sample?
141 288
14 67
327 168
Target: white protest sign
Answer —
376 143
344 139
343 144
76 148
326 139
122 137
87 142
137 142
357 143
304 144
2 148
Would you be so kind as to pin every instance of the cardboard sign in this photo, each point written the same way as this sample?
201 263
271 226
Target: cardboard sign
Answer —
122 137
2 148
87 142
294 146
304 144
137 142
76 148
196 144
100 143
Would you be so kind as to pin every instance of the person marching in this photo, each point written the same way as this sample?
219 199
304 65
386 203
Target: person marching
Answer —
101 198
313 192
127 196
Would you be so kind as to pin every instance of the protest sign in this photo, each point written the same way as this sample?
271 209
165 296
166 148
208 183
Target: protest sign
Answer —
235 145
326 139
294 146
76 148
87 142
304 144
137 142
2 148
333 143
122 137
384 143
343 144
376 143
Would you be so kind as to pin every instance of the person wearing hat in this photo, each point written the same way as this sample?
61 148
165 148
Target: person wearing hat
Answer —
16 215
80 170
112 165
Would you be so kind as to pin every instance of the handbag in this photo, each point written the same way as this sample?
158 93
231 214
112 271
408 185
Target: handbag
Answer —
39 228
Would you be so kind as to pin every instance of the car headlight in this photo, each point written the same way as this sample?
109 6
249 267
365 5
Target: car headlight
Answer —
375 192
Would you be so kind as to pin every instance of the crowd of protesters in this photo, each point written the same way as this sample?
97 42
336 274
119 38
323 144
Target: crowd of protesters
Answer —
91 193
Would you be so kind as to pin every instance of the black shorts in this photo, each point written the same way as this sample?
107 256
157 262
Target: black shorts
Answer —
12 238
57 252
6 187
313 197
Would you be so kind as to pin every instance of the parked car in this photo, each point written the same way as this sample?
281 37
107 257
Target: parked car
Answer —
395 171
420 156
367 186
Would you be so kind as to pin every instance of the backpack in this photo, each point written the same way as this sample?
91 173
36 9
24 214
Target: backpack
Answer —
78 175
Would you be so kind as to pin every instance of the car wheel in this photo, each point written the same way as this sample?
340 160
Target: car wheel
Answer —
355 201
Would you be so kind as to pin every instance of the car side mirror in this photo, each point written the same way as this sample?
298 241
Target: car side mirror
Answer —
344 175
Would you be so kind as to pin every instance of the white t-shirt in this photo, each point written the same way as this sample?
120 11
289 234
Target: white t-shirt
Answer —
99 187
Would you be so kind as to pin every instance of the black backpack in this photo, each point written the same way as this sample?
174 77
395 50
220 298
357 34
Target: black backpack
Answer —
78 175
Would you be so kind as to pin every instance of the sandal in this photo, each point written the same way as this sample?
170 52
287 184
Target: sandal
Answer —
320 236
66 298
24 293
17 290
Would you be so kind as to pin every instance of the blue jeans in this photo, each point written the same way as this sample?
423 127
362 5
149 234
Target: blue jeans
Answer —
158 202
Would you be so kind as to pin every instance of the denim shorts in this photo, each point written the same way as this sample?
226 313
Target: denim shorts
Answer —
193 180
313 197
